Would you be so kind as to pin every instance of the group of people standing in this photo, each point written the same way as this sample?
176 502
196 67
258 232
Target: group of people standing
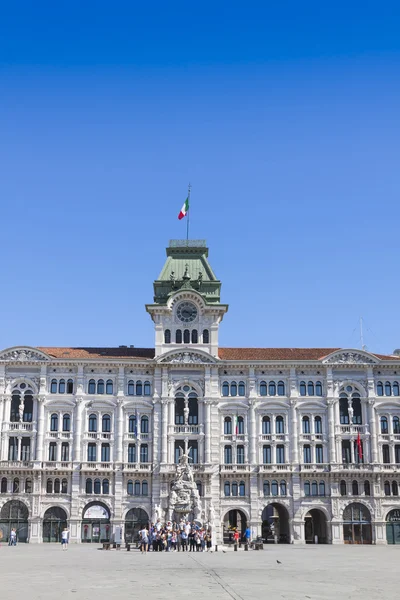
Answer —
184 536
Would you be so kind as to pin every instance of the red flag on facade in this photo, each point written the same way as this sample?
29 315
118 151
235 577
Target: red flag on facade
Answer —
359 447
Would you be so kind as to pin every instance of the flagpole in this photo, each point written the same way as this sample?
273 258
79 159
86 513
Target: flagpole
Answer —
188 216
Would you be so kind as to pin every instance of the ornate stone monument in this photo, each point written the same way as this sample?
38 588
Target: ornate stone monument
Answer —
184 500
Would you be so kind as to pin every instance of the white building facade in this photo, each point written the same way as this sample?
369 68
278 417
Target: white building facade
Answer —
301 445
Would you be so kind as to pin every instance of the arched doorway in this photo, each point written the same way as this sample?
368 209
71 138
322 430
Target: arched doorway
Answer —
14 515
96 526
393 527
275 524
234 519
135 520
54 521
357 524
315 527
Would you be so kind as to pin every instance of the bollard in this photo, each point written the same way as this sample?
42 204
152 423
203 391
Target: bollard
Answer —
216 547
128 547
246 547
235 547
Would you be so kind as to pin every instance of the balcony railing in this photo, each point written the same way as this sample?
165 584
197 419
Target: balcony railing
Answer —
235 468
352 467
186 429
59 435
138 467
315 467
273 437
99 435
17 426
49 464
273 468
16 464
97 466
352 429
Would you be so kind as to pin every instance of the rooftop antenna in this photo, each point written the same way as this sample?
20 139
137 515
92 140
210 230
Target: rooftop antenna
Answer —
363 346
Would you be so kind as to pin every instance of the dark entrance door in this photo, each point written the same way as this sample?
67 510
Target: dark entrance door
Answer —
234 519
54 521
135 520
393 527
14 515
315 527
96 526
357 527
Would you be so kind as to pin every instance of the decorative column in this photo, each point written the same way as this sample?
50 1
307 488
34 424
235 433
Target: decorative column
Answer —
171 438
164 430
294 430
207 425
331 430
78 429
120 429
372 428
40 429
253 432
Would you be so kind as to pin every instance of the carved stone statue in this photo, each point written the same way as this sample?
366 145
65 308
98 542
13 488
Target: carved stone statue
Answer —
351 412
21 410
184 496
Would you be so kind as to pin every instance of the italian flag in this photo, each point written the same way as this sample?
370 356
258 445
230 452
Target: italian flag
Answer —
184 209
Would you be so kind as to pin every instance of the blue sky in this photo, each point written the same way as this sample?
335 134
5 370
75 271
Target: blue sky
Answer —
284 117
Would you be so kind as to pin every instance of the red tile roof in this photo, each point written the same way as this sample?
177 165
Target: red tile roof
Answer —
267 354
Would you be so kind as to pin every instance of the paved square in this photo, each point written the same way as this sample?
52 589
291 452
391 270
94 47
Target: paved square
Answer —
312 572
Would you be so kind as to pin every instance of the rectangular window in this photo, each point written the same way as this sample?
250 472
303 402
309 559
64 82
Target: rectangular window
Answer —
52 451
240 455
346 452
25 449
92 453
397 453
280 454
144 453
65 452
267 455
179 449
385 454
319 454
228 455
105 453
131 453
306 454
193 452
13 448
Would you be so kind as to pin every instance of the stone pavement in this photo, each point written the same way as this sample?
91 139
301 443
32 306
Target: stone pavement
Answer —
43 572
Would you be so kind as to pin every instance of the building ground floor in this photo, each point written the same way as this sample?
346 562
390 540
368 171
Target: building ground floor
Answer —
332 521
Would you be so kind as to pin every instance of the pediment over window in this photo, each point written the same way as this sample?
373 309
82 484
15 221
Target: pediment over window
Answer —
350 357
23 354
187 358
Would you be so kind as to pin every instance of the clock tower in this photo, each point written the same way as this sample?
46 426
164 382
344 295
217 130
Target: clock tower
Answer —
187 310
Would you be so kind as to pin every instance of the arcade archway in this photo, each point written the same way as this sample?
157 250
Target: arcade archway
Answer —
393 527
96 526
54 521
135 520
234 519
315 527
14 515
275 524
357 527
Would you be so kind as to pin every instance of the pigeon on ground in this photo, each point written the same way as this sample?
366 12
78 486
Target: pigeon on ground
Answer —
279 562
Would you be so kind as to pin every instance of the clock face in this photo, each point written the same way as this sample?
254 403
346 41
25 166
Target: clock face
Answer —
187 312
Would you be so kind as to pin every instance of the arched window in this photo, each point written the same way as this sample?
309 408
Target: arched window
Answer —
49 486
387 488
344 409
64 486
240 426
356 402
100 386
179 409
303 389
92 423
388 389
267 455
109 386
234 488
272 388
129 488
106 486
193 409
240 455
14 416
70 386
266 425
28 486
178 336
97 486
396 388
167 336
147 388
144 424
310 388
318 388
186 336
61 386
228 455
307 488
199 488
225 388
54 422
396 425
274 487
379 388
139 388
131 388
306 425
233 388
263 388
53 386
89 486
322 488
282 488
281 388
195 336
343 488
279 425
384 425
227 488
137 488
318 425
57 486
266 488
242 489
4 485
354 488
395 488
367 488
145 488
242 388
228 426
314 488
132 424
66 423
92 387
206 336
106 424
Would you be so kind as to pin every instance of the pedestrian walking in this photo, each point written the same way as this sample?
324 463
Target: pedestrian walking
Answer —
64 538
